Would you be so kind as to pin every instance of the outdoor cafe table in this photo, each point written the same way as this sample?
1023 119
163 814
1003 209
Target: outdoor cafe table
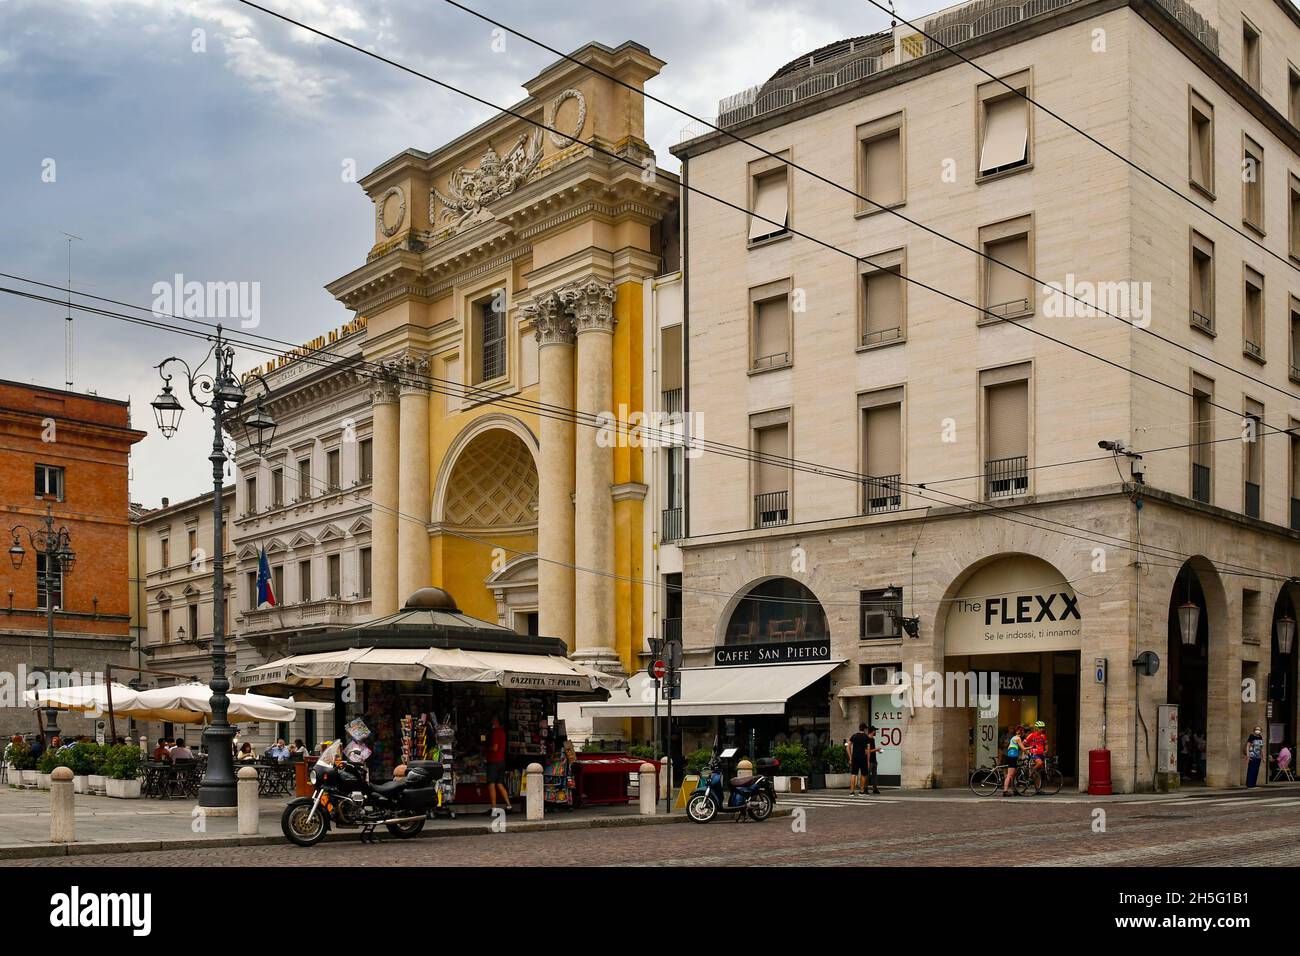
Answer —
164 780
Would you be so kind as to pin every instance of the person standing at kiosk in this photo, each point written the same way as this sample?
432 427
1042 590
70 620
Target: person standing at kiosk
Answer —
496 764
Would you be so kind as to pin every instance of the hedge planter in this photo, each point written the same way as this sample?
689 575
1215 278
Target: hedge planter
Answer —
42 780
790 784
95 782
123 789
81 783
838 781
31 777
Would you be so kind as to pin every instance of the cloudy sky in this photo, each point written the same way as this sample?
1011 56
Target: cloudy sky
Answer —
204 138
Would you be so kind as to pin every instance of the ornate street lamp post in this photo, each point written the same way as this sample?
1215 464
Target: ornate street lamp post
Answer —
56 546
221 392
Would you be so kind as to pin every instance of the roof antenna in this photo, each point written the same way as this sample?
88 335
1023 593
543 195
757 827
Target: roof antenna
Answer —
67 328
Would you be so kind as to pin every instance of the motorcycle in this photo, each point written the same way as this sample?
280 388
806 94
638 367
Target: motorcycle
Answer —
344 797
752 796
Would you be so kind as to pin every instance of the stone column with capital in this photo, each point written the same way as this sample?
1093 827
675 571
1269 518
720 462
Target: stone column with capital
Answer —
414 565
383 497
555 588
592 304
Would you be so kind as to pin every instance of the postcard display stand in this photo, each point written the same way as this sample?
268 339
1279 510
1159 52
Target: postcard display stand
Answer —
424 738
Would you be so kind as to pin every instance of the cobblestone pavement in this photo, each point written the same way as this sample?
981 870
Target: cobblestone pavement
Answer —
1215 829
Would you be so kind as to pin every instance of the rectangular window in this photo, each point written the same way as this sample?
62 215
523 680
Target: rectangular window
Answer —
1004 141
250 579
1252 184
1295 339
770 335
1202 283
304 479
365 572
49 482
1202 437
1253 457
1007 290
334 568
192 540
277 488
1293 215
1006 431
771 477
1293 95
878 614
881 417
1295 475
250 495
277 583
1252 314
1250 55
365 460
882 167
1200 142
883 299
49 582
491 341
769 199
165 546
166 626
193 610
304 581
334 469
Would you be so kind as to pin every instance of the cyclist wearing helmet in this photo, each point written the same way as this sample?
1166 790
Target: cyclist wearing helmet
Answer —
1036 745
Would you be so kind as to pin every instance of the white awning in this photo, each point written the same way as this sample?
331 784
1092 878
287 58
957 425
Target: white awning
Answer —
873 690
450 665
717 691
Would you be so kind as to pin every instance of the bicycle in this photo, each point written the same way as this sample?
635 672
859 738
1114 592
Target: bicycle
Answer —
988 781
1050 779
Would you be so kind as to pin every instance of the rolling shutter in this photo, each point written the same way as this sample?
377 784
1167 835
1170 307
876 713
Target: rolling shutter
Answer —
770 203
1008 420
1006 133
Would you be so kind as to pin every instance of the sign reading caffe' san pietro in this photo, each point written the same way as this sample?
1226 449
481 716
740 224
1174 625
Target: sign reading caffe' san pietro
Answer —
1012 605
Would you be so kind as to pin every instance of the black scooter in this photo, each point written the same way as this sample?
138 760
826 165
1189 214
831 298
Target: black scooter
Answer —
345 797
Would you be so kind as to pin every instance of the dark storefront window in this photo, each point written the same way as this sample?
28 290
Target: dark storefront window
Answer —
781 609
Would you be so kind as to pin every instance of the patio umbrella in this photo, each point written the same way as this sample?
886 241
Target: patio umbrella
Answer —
191 704
91 699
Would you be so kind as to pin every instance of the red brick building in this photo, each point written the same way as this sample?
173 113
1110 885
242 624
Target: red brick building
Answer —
68 452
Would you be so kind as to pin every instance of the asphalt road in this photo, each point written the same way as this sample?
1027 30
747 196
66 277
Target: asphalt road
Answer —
827 831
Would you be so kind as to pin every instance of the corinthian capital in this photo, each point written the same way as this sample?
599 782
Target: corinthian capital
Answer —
411 371
383 387
553 323
592 304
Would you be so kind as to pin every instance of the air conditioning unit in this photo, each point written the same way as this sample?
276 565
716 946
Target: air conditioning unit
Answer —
882 675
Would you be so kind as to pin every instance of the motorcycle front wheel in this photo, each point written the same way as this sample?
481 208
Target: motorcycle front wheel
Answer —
406 830
300 827
760 805
701 809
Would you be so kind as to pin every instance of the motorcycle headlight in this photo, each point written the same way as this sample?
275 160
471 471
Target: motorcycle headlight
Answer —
312 778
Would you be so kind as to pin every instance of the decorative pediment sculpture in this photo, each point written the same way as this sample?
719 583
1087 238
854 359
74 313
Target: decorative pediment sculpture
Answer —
473 190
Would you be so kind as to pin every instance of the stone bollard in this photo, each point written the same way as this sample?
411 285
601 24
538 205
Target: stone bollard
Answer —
63 807
649 793
535 798
663 778
744 768
246 797
144 745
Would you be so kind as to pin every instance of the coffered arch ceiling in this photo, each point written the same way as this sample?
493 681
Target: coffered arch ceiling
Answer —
493 483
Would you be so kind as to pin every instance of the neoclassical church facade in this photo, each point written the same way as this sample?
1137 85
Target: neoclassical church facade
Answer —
504 291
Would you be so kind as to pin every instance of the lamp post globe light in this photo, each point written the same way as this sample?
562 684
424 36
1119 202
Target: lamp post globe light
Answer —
55 545
223 394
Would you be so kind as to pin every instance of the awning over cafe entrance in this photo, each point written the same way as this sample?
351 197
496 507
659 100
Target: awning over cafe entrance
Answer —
717 691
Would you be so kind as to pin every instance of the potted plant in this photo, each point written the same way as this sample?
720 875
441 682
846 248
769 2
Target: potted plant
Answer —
23 764
45 765
837 766
121 766
96 778
794 767
81 759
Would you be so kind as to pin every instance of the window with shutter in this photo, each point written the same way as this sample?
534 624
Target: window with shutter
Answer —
1202 283
1293 216
883 169
771 205
773 442
1200 142
1252 318
1007 292
1008 420
1005 142
1252 185
1295 339
771 336
1250 55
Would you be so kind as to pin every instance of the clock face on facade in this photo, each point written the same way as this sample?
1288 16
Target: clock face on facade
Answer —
390 211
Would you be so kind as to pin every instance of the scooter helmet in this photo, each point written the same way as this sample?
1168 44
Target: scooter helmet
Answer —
1039 724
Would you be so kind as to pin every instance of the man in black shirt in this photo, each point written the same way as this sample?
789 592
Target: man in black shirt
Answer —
872 750
858 750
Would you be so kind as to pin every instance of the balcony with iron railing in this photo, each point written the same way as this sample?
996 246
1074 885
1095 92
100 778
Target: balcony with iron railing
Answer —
775 360
846 63
1252 499
1015 308
1201 483
881 494
672 629
670 401
1006 477
771 508
1202 321
671 529
1252 349
880 336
